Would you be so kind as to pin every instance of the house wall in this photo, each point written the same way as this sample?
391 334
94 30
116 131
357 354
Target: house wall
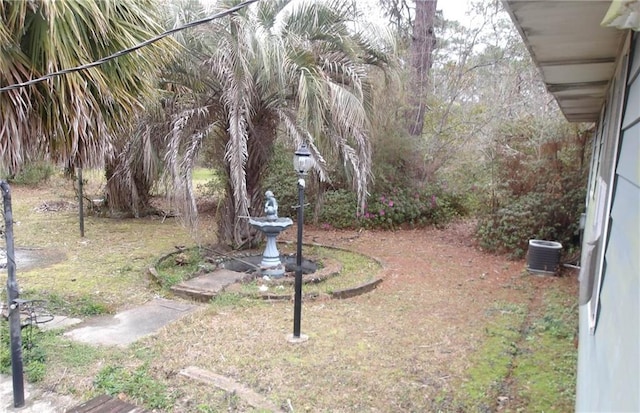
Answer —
609 338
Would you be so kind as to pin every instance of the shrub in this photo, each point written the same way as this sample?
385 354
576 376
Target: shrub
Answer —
536 215
33 173
211 188
398 208
416 208
540 193
339 210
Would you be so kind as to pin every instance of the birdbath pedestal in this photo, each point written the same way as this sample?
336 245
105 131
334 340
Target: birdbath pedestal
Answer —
271 264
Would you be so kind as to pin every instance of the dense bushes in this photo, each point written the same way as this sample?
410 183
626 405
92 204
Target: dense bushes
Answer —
415 208
532 186
540 191
395 201
391 205
339 209
431 206
536 215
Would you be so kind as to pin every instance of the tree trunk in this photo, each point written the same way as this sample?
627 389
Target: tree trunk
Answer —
234 230
422 44
128 190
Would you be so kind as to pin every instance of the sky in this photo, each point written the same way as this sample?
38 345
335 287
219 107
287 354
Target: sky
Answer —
453 9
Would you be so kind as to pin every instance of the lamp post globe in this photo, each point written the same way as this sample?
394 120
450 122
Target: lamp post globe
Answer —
302 161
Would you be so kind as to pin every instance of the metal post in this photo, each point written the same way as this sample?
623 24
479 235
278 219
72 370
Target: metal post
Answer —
80 202
297 305
12 295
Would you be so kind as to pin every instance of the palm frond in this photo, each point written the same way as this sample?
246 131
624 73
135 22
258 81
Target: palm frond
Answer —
268 12
74 117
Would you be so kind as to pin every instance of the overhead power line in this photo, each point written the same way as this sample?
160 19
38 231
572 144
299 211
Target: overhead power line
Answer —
130 49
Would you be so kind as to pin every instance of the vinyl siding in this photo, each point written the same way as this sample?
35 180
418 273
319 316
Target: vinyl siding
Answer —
628 163
608 360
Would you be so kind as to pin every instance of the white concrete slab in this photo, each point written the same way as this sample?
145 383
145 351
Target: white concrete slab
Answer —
128 326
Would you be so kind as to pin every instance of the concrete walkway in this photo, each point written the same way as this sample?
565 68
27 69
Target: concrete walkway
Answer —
120 330
128 326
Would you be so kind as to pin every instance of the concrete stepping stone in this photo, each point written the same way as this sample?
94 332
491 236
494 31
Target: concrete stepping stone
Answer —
205 287
251 397
128 326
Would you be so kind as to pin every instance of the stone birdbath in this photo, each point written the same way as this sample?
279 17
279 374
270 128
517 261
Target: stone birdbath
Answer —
271 226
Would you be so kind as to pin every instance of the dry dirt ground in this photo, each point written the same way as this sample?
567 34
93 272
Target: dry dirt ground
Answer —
407 346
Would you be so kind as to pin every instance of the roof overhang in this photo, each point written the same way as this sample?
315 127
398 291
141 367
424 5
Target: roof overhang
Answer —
576 56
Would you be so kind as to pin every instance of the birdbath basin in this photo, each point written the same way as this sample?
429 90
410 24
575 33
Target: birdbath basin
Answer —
271 227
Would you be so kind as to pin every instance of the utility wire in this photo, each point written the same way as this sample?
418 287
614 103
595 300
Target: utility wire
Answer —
131 49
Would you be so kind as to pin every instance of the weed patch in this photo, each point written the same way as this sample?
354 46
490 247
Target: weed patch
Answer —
138 385
229 300
179 266
34 356
85 305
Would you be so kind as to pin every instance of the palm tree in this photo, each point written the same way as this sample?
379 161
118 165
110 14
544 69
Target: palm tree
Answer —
278 69
73 118
181 108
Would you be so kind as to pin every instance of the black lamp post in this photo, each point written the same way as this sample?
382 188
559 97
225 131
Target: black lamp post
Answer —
302 163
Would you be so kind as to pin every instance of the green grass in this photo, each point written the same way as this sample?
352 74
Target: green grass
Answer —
85 305
492 361
47 351
357 269
34 353
179 266
206 182
138 384
231 300
545 371
90 274
202 175
526 356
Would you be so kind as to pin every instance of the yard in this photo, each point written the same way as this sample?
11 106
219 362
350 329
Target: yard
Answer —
451 328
